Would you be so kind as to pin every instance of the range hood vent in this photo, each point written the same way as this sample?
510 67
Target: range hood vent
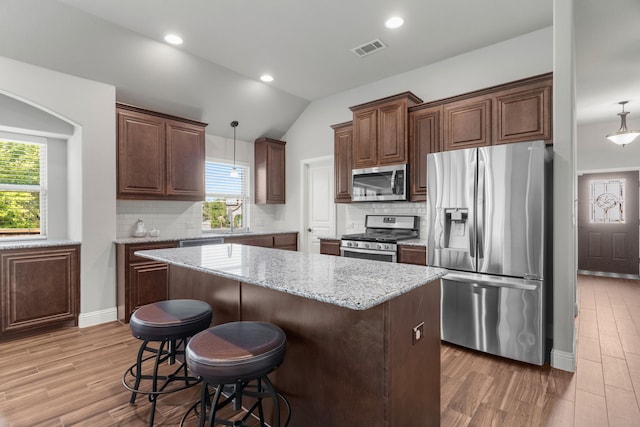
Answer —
369 48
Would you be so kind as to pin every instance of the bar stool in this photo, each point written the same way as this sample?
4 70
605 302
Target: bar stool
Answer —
164 327
230 357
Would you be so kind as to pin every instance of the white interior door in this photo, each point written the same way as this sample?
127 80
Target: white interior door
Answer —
318 200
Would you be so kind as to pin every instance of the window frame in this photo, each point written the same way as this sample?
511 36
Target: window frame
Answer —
42 188
246 194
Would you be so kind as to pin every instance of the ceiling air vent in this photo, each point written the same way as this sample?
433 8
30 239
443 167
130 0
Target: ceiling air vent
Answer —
369 48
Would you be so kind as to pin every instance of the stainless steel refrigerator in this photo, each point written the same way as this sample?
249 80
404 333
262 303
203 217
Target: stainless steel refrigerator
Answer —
488 216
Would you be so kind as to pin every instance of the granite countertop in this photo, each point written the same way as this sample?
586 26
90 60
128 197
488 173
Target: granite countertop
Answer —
149 239
25 244
413 242
346 282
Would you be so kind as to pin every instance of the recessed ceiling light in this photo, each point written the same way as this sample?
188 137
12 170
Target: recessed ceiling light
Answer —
394 22
173 39
266 78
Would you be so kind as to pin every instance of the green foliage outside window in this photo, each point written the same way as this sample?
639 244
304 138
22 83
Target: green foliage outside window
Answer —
19 166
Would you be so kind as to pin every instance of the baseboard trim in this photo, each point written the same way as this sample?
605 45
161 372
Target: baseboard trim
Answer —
563 360
97 317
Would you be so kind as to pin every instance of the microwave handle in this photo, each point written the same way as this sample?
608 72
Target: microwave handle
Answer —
393 182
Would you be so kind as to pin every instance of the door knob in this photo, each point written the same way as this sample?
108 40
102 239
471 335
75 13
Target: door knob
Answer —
309 230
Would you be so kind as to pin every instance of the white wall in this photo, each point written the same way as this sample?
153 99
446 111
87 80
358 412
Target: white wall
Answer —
90 107
596 152
311 135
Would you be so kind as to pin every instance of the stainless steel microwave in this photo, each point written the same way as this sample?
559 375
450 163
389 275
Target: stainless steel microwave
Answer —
379 184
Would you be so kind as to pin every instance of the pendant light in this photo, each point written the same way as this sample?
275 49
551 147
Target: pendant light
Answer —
623 136
234 171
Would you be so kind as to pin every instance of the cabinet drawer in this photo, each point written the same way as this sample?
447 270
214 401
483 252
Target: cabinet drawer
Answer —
330 247
412 255
280 240
146 247
262 241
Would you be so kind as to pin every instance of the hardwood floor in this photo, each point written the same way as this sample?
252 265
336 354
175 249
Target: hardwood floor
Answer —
73 376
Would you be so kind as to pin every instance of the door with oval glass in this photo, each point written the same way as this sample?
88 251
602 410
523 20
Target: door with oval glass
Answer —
608 222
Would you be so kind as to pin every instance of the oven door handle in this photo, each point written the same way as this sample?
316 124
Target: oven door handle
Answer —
393 254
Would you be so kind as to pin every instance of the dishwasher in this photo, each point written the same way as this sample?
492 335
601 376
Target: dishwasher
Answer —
200 242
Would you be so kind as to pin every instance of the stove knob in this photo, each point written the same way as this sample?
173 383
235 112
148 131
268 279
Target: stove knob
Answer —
379 246
366 245
349 244
387 247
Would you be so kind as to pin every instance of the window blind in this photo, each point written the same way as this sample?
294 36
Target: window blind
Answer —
23 187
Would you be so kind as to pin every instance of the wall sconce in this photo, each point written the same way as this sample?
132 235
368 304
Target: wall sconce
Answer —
623 136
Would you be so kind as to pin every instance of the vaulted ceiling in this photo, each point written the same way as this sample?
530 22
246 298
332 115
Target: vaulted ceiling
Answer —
306 45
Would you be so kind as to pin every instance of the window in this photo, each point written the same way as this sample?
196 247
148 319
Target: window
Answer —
606 199
23 187
227 198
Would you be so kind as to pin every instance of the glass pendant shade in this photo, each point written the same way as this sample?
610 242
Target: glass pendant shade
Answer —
623 136
234 171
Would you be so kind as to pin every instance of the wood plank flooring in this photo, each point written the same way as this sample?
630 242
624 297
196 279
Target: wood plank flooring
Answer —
73 376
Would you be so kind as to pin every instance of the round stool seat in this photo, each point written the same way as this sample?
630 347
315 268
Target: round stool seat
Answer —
236 351
170 319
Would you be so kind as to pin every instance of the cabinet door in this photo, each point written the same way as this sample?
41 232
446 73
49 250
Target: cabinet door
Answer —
342 163
276 173
149 282
425 136
392 133
269 171
330 247
523 113
185 161
286 241
141 155
364 149
412 254
40 287
467 123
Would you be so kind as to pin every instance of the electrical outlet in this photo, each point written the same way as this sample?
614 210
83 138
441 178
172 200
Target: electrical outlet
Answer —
417 332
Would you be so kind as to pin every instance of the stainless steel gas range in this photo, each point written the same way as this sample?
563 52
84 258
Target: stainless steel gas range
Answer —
379 241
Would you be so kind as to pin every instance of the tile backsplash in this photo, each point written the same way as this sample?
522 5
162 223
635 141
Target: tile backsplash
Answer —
172 218
354 214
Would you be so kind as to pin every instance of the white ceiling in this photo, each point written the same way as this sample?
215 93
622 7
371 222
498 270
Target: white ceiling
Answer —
305 45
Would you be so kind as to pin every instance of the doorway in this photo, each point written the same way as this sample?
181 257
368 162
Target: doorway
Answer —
318 208
608 234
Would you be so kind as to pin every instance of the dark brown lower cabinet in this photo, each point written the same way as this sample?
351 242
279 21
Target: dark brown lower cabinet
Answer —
40 289
286 241
412 254
330 247
342 367
140 281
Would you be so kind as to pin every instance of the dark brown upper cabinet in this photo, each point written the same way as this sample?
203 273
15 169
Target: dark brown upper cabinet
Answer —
159 156
523 112
425 136
269 171
343 135
513 112
467 123
380 131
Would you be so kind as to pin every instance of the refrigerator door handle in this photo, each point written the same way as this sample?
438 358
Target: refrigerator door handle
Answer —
471 196
480 204
483 280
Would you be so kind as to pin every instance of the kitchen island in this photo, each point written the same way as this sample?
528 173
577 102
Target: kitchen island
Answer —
363 337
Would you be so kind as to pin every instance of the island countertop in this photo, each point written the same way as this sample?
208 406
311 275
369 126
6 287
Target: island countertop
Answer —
346 282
